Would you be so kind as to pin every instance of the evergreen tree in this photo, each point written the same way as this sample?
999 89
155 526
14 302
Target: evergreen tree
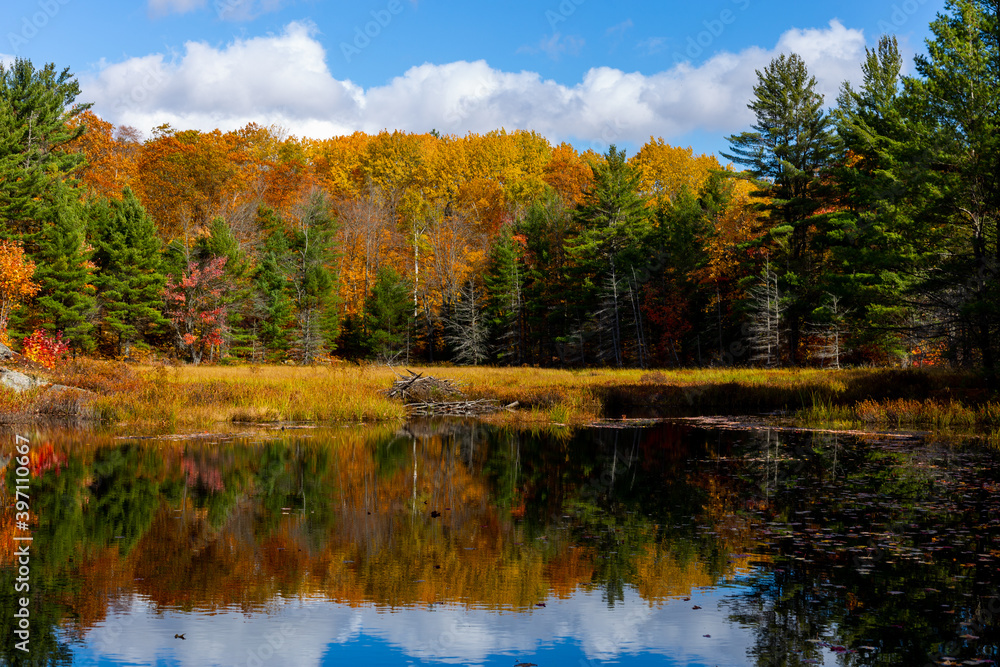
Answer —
313 282
274 306
389 315
237 330
789 148
614 227
875 242
64 273
954 103
553 301
129 281
35 107
504 301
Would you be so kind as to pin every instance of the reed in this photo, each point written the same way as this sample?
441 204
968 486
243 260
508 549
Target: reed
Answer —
928 413
200 396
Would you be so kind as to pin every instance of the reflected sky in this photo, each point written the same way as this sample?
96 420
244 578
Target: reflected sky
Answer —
581 629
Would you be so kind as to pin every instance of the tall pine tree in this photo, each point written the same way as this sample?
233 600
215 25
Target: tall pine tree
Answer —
313 281
64 272
35 108
614 227
129 280
954 101
790 146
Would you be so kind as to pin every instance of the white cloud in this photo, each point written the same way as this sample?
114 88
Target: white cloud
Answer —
164 7
833 55
284 79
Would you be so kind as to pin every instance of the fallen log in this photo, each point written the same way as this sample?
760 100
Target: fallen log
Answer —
457 408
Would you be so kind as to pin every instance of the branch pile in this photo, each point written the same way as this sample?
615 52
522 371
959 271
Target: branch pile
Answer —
427 396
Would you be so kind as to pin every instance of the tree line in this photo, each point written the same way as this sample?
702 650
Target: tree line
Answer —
859 232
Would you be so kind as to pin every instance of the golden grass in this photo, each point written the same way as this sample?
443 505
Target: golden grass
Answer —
927 413
200 396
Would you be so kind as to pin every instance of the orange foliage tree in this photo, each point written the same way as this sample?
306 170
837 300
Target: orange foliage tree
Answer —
16 285
112 155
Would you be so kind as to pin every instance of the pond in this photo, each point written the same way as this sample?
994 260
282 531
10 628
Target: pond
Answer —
664 543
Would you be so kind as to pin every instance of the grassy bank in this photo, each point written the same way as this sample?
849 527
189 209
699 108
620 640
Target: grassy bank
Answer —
199 396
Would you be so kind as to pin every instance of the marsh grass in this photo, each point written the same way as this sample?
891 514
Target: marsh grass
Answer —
200 396
929 413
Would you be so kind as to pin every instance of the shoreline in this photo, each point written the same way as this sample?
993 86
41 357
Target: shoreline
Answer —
182 397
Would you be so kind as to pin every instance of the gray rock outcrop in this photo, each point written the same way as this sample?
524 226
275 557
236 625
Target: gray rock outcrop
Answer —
19 382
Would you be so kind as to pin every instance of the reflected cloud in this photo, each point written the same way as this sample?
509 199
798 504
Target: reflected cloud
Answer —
302 632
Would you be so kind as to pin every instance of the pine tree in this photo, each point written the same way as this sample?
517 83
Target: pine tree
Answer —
35 107
614 227
503 303
273 303
789 148
554 301
313 282
954 107
388 312
237 334
64 273
129 280
876 243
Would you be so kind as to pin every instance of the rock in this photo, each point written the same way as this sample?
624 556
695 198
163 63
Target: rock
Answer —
19 382
6 354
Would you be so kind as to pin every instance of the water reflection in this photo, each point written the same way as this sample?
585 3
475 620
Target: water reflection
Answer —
454 542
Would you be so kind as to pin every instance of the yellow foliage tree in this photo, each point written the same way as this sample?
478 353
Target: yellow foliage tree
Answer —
666 170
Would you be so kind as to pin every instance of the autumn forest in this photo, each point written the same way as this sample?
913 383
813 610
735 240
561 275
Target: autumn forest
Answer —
855 231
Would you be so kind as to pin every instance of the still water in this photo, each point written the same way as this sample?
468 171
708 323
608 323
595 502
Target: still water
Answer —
668 543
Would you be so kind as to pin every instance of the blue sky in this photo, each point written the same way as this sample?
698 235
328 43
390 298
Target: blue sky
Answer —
591 72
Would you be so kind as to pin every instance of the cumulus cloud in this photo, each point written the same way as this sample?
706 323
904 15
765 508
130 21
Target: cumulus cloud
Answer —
284 79
833 55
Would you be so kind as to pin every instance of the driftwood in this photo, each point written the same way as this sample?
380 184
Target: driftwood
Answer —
419 387
483 406
427 396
